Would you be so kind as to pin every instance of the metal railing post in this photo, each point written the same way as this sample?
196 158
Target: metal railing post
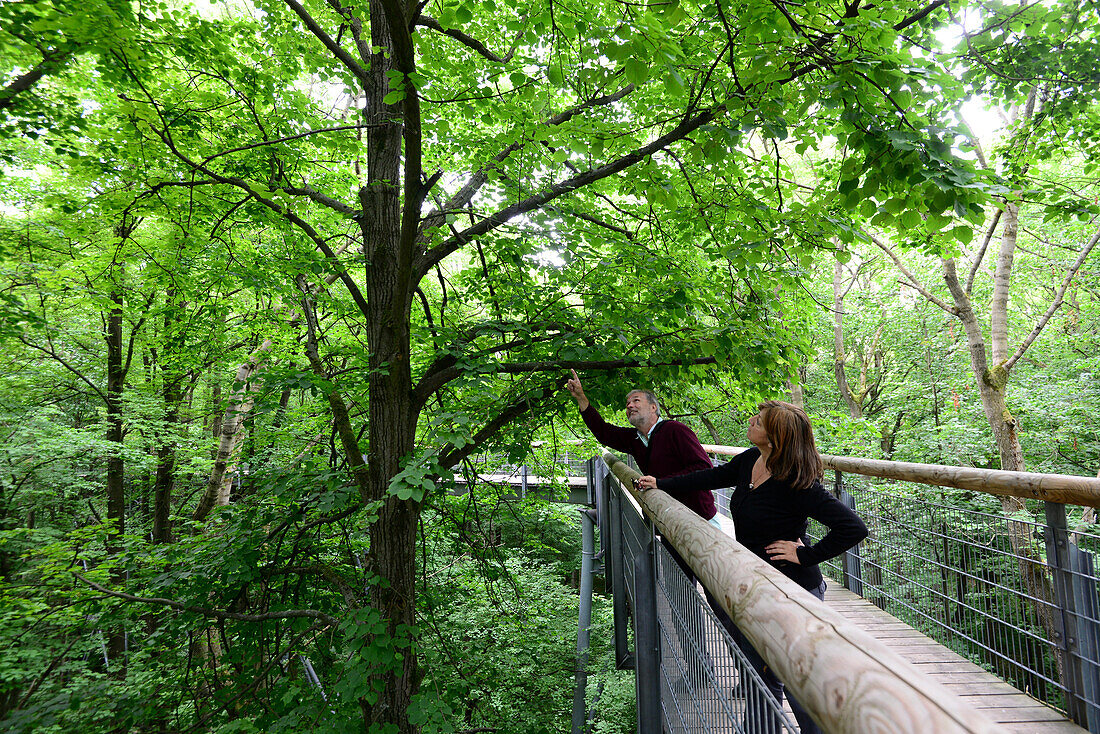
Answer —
595 472
1065 620
853 568
647 667
614 567
592 491
1087 604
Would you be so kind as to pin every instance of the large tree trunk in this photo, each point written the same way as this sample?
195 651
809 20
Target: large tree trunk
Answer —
166 464
172 394
116 379
392 418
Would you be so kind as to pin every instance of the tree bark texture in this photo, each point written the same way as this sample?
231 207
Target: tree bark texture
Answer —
172 394
390 286
116 500
116 380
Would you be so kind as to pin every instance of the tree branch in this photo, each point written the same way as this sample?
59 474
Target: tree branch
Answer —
980 255
605 364
304 226
478 179
51 61
285 139
913 282
334 48
919 15
1056 303
445 373
488 224
216 613
450 456
427 21
322 199
61 360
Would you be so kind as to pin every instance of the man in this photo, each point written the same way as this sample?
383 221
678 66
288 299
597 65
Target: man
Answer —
662 448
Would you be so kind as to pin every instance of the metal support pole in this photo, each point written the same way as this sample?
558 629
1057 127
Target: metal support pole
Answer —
588 550
1065 618
647 668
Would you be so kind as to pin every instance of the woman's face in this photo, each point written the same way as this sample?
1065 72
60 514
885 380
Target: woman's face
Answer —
756 433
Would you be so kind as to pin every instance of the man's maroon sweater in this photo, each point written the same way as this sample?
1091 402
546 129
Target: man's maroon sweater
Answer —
673 449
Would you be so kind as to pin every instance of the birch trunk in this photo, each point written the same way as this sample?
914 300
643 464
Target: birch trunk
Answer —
794 389
240 404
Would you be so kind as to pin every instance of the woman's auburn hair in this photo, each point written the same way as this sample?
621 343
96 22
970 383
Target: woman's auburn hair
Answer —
794 458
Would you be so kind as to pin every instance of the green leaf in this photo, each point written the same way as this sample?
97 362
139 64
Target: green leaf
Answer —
963 235
637 70
910 219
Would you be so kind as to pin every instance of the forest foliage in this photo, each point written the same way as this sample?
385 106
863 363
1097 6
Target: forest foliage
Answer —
275 273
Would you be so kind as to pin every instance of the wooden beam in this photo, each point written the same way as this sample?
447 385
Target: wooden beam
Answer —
1065 489
848 681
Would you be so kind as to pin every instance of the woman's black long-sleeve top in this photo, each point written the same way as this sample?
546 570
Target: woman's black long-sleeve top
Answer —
774 511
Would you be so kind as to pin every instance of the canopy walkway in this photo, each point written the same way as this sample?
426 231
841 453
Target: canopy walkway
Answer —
950 617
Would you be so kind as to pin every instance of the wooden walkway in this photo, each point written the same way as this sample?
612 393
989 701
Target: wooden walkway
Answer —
1014 711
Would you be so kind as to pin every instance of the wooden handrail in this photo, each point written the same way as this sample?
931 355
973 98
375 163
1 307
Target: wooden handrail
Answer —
1065 489
849 681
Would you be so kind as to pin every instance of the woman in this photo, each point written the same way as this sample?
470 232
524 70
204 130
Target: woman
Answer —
776 488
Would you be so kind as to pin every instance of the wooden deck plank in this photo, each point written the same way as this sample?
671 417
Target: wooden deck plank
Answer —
1015 711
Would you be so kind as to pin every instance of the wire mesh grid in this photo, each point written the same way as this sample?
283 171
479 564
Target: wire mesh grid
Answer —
982 584
706 683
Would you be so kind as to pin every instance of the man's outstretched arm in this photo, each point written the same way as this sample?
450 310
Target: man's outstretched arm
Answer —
573 385
616 437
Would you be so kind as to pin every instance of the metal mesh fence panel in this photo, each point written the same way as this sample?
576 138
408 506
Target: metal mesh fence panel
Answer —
706 684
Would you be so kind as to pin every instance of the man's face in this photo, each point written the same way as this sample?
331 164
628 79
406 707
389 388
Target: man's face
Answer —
639 411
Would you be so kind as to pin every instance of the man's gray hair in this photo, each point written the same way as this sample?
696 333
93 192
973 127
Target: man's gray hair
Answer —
650 396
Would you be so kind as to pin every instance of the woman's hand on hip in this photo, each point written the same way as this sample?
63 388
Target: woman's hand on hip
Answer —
784 550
